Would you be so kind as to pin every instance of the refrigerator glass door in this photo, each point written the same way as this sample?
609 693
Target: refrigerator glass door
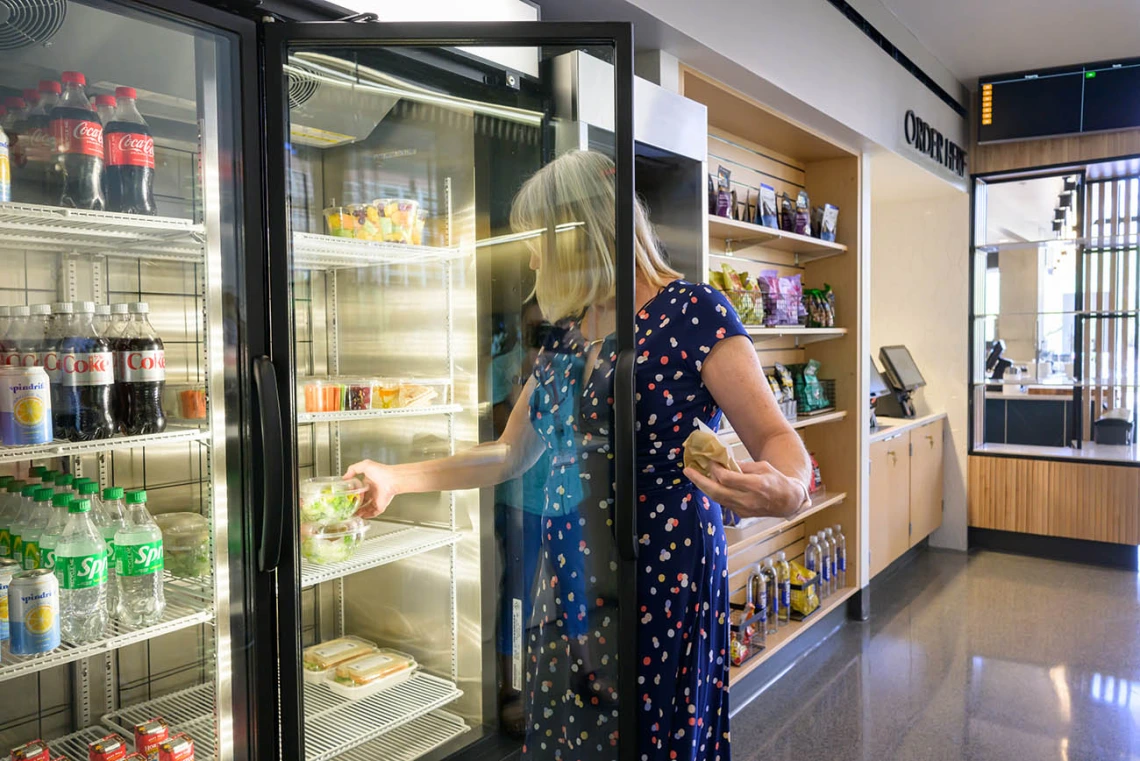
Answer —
453 297
139 202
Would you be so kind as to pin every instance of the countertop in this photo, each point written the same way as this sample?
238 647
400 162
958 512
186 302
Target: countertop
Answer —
1090 451
889 426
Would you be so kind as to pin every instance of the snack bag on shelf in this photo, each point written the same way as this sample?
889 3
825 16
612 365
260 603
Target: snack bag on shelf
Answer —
816 476
738 295
805 597
803 214
808 391
767 211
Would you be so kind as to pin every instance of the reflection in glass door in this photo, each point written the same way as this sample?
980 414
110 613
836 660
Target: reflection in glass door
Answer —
457 570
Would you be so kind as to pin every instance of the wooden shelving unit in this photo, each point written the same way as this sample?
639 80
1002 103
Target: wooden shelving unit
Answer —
760 146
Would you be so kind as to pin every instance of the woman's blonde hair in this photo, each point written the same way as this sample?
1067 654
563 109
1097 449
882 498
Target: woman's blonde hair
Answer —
574 196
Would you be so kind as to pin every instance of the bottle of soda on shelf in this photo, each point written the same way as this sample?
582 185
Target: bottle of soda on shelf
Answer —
15 109
105 106
784 574
63 314
81 569
102 319
142 361
49 539
840 556
5 323
11 503
18 349
35 178
32 529
138 565
5 166
87 380
78 133
772 588
22 519
114 519
130 158
825 564
39 322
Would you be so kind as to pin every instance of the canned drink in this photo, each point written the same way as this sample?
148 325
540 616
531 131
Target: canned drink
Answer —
25 406
33 612
8 569
5 169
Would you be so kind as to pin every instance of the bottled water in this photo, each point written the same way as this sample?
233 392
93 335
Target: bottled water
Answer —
772 585
813 561
825 557
138 563
784 574
33 528
81 568
10 504
49 540
840 556
756 601
108 520
21 521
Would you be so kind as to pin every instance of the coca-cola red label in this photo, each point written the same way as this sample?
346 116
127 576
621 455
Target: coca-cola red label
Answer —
141 366
49 361
24 358
37 145
95 369
130 149
9 358
78 136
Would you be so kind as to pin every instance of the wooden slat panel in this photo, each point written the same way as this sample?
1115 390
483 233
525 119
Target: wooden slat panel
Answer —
1008 494
1024 154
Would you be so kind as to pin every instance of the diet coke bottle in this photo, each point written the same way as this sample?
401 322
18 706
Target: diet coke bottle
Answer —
130 158
34 175
22 340
78 134
141 365
87 379
63 314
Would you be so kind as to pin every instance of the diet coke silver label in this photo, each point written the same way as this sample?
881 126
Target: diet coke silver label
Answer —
142 366
94 369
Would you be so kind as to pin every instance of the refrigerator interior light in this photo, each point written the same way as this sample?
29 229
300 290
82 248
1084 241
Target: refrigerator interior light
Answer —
498 240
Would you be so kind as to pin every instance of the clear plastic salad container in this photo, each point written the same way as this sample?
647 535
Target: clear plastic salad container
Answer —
184 401
320 660
368 674
330 498
398 218
332 542
324 396
185 544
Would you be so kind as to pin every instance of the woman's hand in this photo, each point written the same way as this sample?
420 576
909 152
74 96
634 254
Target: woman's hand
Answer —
381 482
759 491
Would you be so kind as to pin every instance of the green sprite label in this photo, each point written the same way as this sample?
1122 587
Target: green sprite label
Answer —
138 559
81 572
5 542
47 557
110 551
31 556
18 549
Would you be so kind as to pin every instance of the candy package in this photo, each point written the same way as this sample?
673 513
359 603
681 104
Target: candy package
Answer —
766 208
803 214
805 596
703 447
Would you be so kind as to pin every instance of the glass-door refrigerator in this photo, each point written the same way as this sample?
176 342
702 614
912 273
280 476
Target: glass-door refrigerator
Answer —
488 608
124 256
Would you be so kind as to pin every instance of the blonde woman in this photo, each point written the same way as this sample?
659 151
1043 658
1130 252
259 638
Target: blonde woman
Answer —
695 361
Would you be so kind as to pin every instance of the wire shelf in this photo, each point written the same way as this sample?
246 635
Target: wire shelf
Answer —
346 415
55 229
59 448
396 543
186 605
412 740
190 711
75 744
322 252
334 725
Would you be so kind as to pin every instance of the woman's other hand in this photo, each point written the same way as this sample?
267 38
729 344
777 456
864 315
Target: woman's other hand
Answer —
759 491
381 483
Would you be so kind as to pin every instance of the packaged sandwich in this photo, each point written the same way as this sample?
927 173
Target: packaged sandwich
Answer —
369 674
703 447
321 659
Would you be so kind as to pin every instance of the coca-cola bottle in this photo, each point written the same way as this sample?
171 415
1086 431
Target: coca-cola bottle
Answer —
38 323
87 380
142 360
12 338
78 133
22 342
35 178
105 106
63 314
130 158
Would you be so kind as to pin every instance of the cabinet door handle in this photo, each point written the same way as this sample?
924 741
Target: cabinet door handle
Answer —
930 440
893 456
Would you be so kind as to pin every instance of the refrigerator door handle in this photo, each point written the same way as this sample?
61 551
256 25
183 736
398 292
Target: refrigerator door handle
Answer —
625 465
272 469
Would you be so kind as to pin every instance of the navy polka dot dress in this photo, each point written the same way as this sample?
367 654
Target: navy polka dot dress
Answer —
682 675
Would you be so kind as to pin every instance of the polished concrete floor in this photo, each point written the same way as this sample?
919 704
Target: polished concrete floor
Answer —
985 657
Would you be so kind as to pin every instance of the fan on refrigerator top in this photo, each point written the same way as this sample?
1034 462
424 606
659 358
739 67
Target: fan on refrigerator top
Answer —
29 22
302 82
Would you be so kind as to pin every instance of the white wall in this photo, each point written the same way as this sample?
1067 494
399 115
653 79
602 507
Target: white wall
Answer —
919 297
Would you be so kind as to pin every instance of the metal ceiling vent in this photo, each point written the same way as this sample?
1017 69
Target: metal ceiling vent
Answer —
303 83
24 23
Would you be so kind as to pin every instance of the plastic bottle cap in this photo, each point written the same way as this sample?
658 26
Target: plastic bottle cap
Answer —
41 308
120 308
103 309
14 103
85 307
29 490
140 307
79 506
43 494
126 92
106 100
64 479
73 78
5 480
113 492
89 488
15 487
62 307
47 85
136 497
21 311
61 500
48 476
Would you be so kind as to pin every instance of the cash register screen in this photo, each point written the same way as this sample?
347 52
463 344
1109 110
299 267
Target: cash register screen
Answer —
900 368
879 386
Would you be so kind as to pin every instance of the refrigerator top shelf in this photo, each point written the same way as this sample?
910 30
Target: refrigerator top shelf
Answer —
334 724
325 252
55 229
186 605
171 435
389 542
346 415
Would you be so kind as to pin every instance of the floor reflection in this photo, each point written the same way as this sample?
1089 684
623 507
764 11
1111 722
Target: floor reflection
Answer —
984 657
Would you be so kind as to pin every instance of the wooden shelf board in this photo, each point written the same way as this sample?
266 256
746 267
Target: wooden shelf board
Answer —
789 632
805 247
731 438
739 539
802 336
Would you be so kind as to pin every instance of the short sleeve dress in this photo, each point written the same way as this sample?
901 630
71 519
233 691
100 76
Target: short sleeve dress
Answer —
683 660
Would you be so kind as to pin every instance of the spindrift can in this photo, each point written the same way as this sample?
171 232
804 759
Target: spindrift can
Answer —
8 568
25 406
33 612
